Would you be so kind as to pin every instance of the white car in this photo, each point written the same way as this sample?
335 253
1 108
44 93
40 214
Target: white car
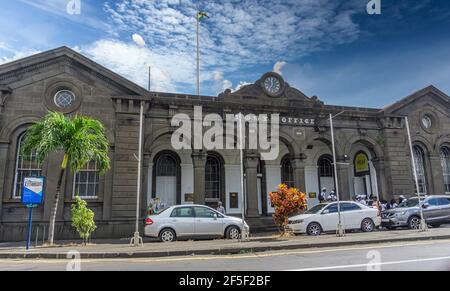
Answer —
193 221
324 218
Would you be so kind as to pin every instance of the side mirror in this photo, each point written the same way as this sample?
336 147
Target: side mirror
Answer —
425 205
326 211
215 216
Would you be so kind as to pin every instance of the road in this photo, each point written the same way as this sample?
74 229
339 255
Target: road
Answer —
413 256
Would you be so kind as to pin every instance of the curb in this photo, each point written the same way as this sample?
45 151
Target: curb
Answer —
217 251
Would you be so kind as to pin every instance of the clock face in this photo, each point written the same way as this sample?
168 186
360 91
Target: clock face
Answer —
272 85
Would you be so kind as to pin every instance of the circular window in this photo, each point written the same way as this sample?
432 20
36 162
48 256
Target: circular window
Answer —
427 121
64 99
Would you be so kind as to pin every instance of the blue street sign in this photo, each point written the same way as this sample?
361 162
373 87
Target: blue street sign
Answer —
32 196
33 191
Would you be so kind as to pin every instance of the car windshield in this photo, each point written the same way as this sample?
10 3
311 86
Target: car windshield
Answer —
413 202
316 209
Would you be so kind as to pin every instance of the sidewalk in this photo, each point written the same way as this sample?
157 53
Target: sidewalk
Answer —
121 249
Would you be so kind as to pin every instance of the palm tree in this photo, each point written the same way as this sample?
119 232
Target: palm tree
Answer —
81 139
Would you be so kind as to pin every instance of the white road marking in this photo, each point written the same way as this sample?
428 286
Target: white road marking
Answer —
231 257
373 264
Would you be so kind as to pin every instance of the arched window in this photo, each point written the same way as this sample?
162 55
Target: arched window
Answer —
325 167
213 178
26 166
287 172
445 161
419 158
166 166
86 181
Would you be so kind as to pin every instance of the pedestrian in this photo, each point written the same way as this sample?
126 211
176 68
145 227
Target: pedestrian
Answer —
402 199
393 204
332 197
377 205
220 207
323 195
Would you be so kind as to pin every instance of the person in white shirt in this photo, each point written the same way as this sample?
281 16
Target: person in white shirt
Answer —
323 195
220 208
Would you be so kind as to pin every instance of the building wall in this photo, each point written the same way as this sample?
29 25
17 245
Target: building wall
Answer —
381 134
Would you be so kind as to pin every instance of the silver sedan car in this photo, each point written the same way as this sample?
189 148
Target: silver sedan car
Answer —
192 221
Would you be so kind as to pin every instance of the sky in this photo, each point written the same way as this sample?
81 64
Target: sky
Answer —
331 49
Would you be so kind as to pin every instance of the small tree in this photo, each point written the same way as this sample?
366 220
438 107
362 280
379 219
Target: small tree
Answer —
287 201
83 219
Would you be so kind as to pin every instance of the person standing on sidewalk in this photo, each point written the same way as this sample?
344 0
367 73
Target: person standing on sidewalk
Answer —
220 208
323 195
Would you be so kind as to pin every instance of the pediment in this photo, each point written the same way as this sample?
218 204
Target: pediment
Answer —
429 96
257 91
14 71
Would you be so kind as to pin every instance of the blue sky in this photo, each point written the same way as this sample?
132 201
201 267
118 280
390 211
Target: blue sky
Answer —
331 49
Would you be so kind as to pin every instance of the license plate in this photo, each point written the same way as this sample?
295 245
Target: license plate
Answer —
385 220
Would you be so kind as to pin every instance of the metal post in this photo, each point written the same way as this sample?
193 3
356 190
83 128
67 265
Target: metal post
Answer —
137 239
423 224
244 234
198 51
340 229
30 219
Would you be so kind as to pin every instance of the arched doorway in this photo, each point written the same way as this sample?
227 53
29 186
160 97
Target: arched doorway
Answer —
325 173
362 170
166 179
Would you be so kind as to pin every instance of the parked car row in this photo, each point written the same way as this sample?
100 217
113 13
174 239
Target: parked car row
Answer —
198 221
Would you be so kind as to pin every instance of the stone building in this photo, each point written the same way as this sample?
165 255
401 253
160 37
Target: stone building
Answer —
371 144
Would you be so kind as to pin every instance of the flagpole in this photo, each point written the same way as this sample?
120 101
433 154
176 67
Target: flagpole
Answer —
198 51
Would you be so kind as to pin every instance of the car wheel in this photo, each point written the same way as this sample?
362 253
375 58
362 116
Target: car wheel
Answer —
233 232
367 225
414 222
167 235
314 229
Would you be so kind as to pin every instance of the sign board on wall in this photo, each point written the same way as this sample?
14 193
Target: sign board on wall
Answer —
33 191
361 165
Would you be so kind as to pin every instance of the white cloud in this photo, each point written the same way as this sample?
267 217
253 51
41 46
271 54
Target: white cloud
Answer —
133 62
278 67
138 39
239 34
12 54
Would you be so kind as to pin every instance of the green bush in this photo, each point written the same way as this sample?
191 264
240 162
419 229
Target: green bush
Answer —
83 219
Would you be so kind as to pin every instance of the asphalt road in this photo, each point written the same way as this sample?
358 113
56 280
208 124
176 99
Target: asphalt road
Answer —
420 256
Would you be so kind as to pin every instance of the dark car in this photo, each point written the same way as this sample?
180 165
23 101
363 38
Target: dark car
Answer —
436 210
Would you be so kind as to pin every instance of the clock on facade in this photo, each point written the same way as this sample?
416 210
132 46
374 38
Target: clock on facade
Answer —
273 84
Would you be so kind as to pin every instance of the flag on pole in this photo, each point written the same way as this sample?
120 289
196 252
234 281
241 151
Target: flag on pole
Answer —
202 15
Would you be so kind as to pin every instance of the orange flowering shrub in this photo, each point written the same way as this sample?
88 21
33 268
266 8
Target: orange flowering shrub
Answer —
286 201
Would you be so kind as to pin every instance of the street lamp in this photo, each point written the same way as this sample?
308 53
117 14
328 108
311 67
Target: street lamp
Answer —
340 228
244 234
423 224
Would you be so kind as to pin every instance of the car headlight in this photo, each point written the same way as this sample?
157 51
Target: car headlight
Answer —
299 221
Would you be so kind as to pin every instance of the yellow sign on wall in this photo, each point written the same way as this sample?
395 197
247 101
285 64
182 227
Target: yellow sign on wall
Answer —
361 165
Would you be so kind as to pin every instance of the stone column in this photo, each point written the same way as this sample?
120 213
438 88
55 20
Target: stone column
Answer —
3 157
199 161
436 175
251 171
383 190
344 188
298 164
145 181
